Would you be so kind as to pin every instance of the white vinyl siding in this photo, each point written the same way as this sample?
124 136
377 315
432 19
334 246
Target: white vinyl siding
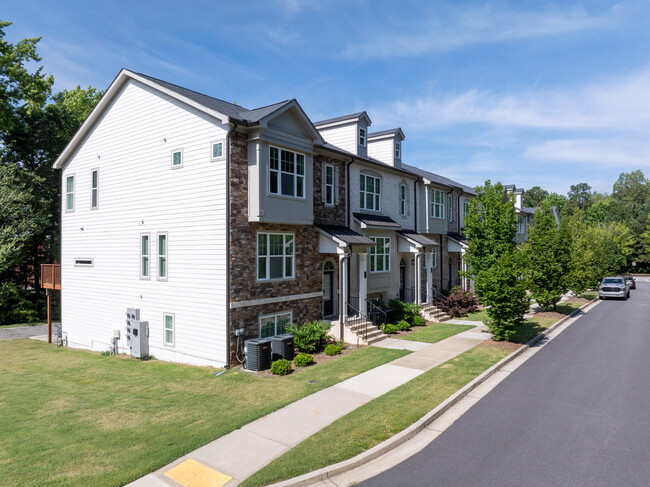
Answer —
69 193
380 254
286 173
162 256
144 256
271 325
275 256
437 203
94 189
369 192
168 321
140 194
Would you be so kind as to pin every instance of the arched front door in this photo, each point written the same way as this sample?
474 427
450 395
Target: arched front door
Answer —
328 289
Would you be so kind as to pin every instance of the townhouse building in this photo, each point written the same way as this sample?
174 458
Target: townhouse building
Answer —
221 223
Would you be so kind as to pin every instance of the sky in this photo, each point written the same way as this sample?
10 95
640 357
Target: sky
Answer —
530 93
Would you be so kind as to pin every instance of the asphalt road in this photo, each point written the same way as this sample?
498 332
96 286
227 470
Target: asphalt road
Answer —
576 414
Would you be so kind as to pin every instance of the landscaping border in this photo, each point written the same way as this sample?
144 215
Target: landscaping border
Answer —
410 432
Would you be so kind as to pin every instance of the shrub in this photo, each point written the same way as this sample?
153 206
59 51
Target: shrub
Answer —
459 303
417 320
15 307
303 360
332 349
389 328
310 337
403 325
281 367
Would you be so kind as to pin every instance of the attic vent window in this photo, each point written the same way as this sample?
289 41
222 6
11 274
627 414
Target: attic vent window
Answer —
362 136
217 150
83 262
177 158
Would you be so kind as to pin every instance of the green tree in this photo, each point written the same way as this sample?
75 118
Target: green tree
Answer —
493 260
534 197
546 258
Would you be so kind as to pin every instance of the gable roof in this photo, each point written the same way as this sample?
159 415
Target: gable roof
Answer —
437 178
417 238
224 111
382 133
344 118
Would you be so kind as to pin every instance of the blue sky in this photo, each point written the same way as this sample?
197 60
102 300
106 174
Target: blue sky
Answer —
522 92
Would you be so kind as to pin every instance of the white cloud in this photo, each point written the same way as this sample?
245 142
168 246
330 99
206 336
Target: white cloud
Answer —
449 29
608 152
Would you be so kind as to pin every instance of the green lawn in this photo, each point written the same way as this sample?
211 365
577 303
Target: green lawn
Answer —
589 295
69 417
379 419
434 333
476 316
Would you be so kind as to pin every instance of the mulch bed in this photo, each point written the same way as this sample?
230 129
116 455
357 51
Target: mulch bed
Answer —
508 346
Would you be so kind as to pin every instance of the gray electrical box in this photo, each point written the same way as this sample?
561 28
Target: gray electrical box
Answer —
137 333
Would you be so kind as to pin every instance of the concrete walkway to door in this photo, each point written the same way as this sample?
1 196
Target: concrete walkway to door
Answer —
233 457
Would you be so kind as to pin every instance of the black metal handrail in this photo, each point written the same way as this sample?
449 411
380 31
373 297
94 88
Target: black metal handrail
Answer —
355 318
376 315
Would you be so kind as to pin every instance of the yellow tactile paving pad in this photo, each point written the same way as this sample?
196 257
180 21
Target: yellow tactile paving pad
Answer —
191 473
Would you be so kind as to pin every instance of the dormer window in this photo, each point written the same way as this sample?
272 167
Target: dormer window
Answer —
398 150
362 136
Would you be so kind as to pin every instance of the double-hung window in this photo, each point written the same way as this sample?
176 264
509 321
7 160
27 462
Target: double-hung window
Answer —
169 328
144 256
521 224
380 254
162 256
402 199
275 256
437 203
276 324
398 150
94 189
434 258
465 209
286 173
369 192
329 184
69 193
450 213
362 136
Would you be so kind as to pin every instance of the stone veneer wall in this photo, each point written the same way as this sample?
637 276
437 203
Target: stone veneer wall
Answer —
333 215
243 259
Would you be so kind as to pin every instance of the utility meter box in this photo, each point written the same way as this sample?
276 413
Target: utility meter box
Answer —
137 334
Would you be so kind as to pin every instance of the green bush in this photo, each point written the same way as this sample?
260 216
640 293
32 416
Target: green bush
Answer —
281 367
332 349
418 321
310 337
389 328
15 307
403 325
405 311
303 360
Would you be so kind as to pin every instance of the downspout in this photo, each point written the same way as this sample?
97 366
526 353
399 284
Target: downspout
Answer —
228 325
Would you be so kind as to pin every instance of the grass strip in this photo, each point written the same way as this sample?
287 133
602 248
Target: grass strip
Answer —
435 333
70 417
19 325
476 316
379 419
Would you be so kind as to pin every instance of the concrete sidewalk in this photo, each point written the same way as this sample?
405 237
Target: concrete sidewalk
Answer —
235 456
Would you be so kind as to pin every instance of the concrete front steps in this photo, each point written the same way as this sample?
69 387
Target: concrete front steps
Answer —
431 312
354 334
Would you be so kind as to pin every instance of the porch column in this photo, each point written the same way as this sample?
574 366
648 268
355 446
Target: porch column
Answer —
430 278
363 281
344 262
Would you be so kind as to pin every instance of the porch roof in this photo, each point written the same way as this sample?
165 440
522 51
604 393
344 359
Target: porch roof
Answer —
416 237
345 234
376 220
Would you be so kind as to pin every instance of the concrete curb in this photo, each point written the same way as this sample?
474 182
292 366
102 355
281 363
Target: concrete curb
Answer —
410 432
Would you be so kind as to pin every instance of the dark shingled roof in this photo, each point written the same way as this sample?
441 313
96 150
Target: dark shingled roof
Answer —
233 111
417 237
377 220
437 178
345 234
352 116
385 132
457 236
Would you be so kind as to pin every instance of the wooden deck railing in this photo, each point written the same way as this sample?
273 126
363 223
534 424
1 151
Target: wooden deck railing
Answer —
51 276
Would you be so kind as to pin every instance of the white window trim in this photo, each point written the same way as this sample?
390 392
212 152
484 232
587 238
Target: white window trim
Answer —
362 136
273 315
372 257
177 166
173 329
74 183
94 189
365 192
142 256
398 149
166 256
295 174
450 207
84 262
521 225
403 199
223 150
434 258
433 204
268 256
332 186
